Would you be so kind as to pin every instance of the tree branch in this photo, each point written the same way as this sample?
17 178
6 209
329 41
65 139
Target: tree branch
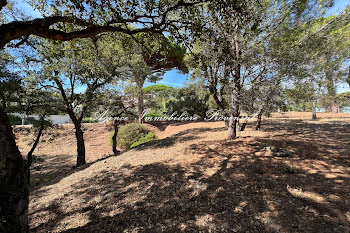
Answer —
2 4
42 27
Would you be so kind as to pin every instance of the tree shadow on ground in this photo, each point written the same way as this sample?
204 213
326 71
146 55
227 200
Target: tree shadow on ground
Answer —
51 169
226 187
229 191
183 136
327 141
162 125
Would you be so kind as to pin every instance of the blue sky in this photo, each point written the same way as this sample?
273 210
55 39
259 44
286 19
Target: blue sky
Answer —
174 78
339 6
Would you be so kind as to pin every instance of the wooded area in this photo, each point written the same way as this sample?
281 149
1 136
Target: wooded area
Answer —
245 61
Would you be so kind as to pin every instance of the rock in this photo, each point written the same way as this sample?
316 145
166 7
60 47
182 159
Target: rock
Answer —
212 147
278 152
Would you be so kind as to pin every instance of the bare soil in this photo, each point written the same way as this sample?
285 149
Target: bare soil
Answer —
193 180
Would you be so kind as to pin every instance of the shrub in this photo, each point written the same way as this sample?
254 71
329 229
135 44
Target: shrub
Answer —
30 121
129 134
147 138
15 120
89 120
154 114
156 88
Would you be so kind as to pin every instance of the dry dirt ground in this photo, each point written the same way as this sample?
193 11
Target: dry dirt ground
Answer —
193 180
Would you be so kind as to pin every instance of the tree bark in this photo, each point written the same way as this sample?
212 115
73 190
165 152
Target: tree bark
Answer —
114 138
141 109
42 27
236 88
258 122
244 124
232 124
14 182
30 153
3 3
314 117
140 99
330 84
79 134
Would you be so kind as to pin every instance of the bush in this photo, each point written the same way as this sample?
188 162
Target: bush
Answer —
154 114
156 88
147 138
129 134
89 120
15 120
30 121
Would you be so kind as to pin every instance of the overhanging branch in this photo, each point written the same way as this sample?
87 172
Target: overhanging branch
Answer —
2 4
42 27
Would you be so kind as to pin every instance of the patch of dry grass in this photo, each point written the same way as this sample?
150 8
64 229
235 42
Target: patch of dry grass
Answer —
193 180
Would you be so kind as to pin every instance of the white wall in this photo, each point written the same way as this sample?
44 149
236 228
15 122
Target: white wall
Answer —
55 119
59 119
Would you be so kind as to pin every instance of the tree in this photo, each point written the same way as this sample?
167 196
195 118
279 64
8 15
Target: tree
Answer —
83 66
14 179
13 172
120 107
92 19
153 56
232 39
18 96
317 54
209 66
261 96
333 53
157 96
241 33
192 99
39 125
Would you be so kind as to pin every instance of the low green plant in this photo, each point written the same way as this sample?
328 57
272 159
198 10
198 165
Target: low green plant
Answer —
147 138
30 121
89 120
154 113
129 134
15 120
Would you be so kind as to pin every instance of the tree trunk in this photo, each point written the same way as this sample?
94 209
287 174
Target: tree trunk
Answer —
244 124
114 138
140 105
14 182
258 122
140 109
232 126
330 84
314 117
79 134
30 153
233 121
227 123
232 129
